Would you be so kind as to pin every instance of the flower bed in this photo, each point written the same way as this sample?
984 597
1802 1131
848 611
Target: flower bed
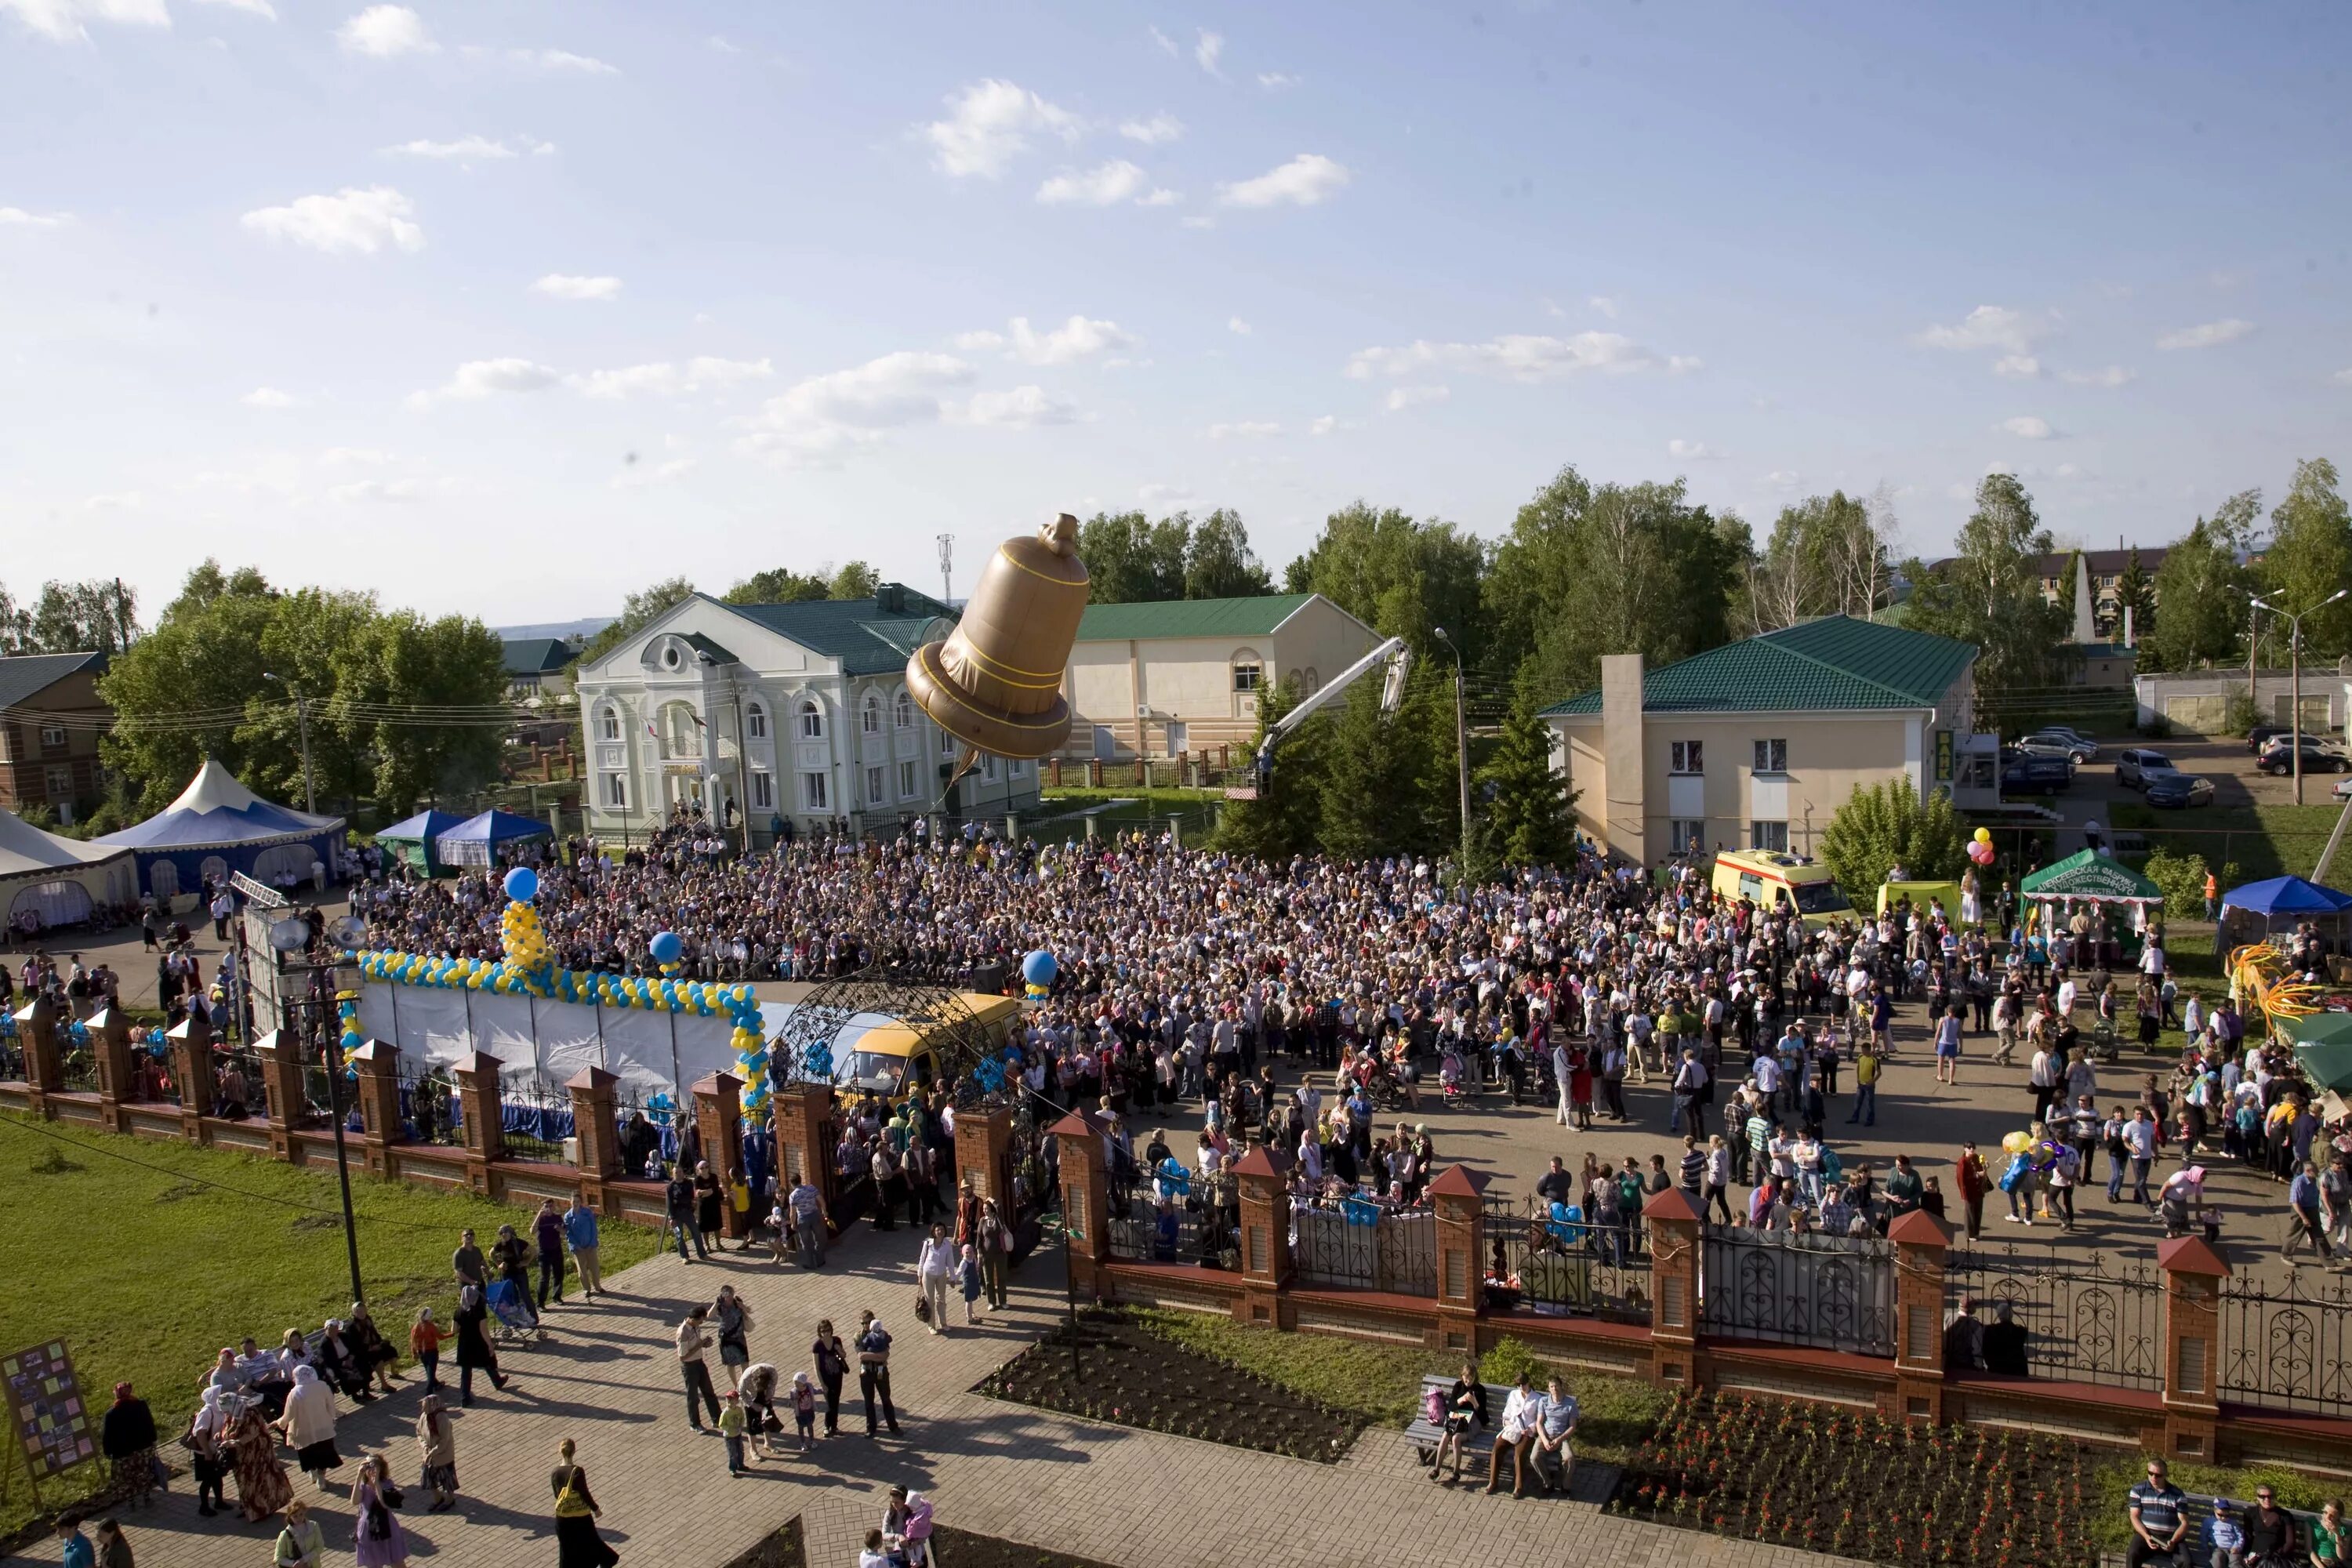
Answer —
965 1550
1127 1375
1862 1485
781 1550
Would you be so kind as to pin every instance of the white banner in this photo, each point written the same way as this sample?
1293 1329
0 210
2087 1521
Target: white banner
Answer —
533 1036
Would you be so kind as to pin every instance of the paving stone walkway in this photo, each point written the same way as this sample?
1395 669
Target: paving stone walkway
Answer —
607 1378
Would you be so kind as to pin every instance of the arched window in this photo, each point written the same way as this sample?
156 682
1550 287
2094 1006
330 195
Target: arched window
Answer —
608 722
755 721
906 712
869 715
1249 670
812 719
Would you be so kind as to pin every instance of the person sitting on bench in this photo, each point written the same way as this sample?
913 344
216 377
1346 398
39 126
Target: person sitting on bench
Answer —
1555 1427
1515 1436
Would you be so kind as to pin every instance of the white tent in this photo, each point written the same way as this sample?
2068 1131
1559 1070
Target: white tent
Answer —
47 881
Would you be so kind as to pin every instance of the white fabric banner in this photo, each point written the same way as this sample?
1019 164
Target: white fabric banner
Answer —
647 1050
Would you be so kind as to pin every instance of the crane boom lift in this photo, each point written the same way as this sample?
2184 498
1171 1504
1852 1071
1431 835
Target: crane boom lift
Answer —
1392 653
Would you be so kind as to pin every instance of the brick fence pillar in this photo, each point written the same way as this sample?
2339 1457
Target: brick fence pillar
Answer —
109 1042
36 1032
2193 1272
281 1084
1263 1175
718 1113
1085 1204
804 1140
983 1139
1921 1241
1676 1223
595 1125
192 1064
1459 1195
480 1108
379 1100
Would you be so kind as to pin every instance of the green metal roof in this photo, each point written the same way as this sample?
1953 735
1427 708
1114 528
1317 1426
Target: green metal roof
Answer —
1835 662
537 656
1248 617
868 637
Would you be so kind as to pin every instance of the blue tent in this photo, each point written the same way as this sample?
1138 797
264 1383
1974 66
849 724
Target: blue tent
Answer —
217 826
415 840
2282 900
477 840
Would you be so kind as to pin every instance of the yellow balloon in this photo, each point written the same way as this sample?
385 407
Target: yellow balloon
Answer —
2017 1143
1984 834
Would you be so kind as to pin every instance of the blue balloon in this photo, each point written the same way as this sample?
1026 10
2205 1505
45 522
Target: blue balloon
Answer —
522 884
665 947
1039 968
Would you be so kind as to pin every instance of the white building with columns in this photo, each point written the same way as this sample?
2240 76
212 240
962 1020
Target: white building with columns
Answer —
779 714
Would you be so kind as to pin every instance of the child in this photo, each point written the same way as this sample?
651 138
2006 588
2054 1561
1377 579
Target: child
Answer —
968 1277
732 1425
2229 1535
424 1343
779 1231
805 1409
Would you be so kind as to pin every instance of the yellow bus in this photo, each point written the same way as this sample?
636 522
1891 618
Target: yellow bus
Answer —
896 1057
1771 877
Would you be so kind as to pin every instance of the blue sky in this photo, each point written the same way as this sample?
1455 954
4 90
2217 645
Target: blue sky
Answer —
391 297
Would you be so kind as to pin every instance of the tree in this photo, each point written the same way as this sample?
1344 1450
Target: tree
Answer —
2310 557
1131 558
1886 824
97 616
857 579
2135 592
1218 561
1990 594
180 693
1389 787
777 585
1523 800
1828 555
1399 576
2202 591
638 611
453 662
1285 817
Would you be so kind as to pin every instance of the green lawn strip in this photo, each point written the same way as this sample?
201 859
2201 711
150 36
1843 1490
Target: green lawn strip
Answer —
2110 1504
146 1270
1382 1383
1161 797
2260 840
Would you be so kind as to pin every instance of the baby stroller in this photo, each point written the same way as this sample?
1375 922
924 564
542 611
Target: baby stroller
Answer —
516 1322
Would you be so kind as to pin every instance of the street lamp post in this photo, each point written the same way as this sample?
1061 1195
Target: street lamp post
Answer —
301 717
1461 742
2295 676
291 935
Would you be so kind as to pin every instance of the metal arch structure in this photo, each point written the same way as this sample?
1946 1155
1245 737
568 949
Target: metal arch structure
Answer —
928 1001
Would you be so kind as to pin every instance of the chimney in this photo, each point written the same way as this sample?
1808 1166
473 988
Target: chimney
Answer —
1623 754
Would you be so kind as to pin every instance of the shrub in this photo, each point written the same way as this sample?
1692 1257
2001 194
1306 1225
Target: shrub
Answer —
2182 879
2158 728
2239 715
1888 824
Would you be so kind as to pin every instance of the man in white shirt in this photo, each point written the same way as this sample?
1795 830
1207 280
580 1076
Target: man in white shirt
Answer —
1522 1414
1555 1427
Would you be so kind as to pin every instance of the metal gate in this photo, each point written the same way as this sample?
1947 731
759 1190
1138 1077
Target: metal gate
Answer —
1831 1292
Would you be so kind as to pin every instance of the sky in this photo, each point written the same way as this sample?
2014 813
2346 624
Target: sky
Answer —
507 307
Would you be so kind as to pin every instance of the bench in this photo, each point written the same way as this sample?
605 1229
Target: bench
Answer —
1477 1444
2196 1508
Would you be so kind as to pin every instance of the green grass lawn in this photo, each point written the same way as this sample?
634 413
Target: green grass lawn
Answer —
2263 840
146 1270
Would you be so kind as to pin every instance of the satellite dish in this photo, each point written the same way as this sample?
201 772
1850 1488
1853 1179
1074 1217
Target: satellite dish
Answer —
349 932
289 934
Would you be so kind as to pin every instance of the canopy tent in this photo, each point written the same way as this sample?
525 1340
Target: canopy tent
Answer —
417 839
2323 1044
2089 876
217 826
2275 902
47 881
477 840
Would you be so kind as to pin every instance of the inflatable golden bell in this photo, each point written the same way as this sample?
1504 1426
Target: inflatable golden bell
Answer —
996 683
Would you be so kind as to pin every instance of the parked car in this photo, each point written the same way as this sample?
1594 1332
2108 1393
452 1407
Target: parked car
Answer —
2261 735
2058 743
2319 756
2083 735
2173 788
2136 766
2343 790
2037 776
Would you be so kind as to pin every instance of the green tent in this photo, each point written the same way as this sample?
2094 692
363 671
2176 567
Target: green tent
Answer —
414 839
2091 874
2323 1044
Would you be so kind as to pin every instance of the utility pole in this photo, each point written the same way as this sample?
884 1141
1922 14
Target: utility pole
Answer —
947 569
302 718
1461 742
2294 679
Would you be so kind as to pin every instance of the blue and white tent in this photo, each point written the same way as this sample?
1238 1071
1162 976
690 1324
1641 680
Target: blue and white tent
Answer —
477 840
217 826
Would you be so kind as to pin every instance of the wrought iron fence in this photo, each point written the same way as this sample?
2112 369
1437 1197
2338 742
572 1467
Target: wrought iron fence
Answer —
1562 1266
428 1104
1832 1292
2284 1343
77 1070
2087 1317
237 1091
1363 1245
534 1119
1177 1218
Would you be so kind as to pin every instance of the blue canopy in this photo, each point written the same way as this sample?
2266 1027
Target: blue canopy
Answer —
217 826
471 842
422 828
2286 896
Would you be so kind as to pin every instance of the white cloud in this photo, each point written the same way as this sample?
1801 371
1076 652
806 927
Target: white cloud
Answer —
1272 80
385 31
1160 197
1207 49
1602 305
1243 429
979 342
354 458
480 378
261 8
2028 428
1405 397
351 220
1692 451
989 124
1520 356
1990 327
1235 324
1783 480
118 500
1072 339
17 218
1163 493
664 379
469 149
2017 367
1021 408
564 286
1305 180
2343 375
1683 365
2210 334
1113 181
1196 221
1155 132
269 398
2113 377
62 21
819 420
721 45
1167 46
1326 424
562 60
638 476
376 492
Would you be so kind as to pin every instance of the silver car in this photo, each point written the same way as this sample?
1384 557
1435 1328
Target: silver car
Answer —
2059 743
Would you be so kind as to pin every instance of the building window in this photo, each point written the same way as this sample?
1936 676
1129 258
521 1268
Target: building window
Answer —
60 783
947 745
763 791
811 721
1771 757
1689 835
1768 835
1249 671
616 791
906 780
1017 768
987 769
878 788
53 737
1312 680
812 793
1682 757
906 714
869 716
755 721
670 656
608 722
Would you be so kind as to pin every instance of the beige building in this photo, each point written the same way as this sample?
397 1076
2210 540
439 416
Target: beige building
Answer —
1183 676
1755 744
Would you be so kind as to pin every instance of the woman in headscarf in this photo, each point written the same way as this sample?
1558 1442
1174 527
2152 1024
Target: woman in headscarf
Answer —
127 1435
262 1488
370 1352
436 1448
378 1542
337 1366
207 1444
474 1351
577 1544
309 1425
